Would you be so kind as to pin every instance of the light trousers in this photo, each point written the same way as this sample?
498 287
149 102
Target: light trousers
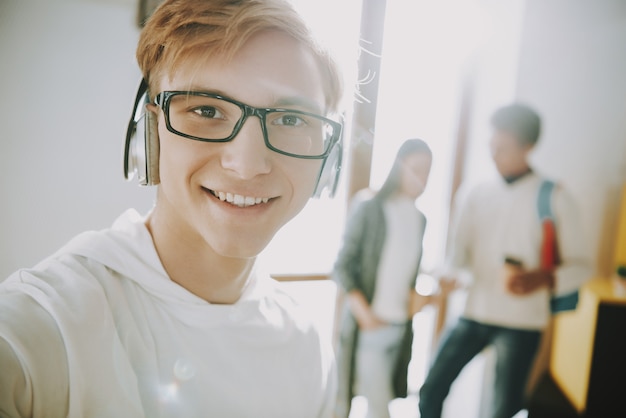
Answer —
377 352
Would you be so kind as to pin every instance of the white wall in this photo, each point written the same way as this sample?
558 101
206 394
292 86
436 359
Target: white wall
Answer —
569 63
67 84
573 68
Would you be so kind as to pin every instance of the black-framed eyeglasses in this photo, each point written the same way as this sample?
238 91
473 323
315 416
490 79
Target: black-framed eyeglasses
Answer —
208 117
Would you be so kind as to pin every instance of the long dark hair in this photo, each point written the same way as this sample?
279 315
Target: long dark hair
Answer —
392 183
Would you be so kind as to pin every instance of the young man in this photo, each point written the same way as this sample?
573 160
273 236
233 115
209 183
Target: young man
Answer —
507 306
163 315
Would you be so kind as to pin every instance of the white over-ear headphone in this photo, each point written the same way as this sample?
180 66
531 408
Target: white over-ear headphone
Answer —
328 178
141 150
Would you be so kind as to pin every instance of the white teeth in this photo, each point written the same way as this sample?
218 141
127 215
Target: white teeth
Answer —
239 200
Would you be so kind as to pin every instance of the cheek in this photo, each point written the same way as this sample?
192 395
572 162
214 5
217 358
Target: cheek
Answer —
419 184
510 160
303 175
500 158
179 156
423 179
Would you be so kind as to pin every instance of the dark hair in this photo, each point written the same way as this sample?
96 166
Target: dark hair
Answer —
408 147
519 120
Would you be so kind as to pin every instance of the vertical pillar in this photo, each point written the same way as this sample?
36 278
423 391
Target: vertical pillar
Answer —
364 116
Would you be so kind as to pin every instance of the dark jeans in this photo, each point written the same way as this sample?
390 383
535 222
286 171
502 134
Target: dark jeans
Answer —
515 352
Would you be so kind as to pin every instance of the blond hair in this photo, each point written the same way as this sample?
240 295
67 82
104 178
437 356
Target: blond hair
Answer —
219 28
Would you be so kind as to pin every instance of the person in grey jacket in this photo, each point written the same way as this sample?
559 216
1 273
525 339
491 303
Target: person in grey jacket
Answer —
377 268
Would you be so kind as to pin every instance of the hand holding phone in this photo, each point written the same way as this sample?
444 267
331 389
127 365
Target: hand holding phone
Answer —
511 274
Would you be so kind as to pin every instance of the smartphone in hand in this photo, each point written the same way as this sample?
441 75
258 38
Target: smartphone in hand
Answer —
511 261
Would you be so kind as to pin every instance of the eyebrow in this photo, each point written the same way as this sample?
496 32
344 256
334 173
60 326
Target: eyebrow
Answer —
298 101
277 102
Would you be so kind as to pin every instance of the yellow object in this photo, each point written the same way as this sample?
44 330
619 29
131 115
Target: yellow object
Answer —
574 337
620 243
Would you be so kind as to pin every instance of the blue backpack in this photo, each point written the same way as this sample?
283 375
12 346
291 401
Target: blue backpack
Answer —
549 248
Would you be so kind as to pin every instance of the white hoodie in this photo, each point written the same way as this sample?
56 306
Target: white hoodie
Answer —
123 340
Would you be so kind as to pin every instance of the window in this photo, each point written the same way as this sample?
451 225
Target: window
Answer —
309 243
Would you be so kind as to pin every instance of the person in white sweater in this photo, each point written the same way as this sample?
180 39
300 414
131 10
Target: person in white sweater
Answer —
507 306
164 314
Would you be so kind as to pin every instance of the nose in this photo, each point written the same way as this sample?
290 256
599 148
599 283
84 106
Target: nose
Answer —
246 154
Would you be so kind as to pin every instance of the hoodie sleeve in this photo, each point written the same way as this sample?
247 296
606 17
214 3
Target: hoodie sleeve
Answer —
34 377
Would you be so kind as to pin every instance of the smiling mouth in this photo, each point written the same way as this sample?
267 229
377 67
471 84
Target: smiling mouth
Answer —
239 200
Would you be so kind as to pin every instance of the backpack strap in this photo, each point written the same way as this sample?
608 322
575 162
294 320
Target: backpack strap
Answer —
549 248
549 253
544 200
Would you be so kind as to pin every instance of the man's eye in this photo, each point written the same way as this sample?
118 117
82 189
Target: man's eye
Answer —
208 112
290 120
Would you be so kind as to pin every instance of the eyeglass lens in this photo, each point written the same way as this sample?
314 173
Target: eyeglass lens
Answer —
213 118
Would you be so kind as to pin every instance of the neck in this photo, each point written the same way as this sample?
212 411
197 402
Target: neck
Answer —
197 268
514 177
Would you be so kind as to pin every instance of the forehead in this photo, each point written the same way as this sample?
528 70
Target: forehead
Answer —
269 69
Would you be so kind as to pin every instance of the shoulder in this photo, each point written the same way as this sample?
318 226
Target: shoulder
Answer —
361 207
284 298
294 319
58 280
363 194
564 203
293 302
64 286
362 198
559 193
50 298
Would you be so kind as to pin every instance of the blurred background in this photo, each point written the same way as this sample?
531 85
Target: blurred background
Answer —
68 80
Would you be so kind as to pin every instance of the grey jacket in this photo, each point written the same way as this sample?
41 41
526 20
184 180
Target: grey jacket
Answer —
355 268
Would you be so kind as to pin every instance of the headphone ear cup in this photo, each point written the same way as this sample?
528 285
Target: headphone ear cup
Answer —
130 145
328 178
141 154
141 151
151 149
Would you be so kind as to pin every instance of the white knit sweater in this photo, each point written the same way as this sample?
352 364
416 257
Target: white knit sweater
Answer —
496 219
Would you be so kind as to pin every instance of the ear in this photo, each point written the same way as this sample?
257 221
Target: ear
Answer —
328 178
